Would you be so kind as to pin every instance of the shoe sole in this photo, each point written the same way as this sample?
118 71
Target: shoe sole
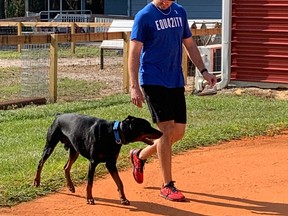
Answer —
174 200
131 157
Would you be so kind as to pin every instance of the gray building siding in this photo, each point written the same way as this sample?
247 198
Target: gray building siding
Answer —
137 5
116 7
202 9
196 9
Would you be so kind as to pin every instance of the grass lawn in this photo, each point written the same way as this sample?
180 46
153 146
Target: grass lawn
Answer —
210 121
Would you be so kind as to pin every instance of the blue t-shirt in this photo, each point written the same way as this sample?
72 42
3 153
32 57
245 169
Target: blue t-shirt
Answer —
161 33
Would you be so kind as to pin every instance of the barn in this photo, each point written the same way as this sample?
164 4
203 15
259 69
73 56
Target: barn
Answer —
259 43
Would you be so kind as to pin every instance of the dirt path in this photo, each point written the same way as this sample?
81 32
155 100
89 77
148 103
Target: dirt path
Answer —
238 178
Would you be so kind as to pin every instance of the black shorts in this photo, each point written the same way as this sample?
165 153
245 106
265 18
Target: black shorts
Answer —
166 104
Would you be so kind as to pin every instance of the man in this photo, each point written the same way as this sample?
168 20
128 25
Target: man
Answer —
155 53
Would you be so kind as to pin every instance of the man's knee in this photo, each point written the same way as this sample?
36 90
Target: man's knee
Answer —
179 131
174 131
178 136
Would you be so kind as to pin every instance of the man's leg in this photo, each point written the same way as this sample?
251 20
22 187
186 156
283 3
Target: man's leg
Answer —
139 156
172 132
178 133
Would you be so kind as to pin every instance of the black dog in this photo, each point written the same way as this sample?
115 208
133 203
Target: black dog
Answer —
98 140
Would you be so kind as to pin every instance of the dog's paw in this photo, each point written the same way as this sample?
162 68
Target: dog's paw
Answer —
72 189
36 183
90 201
125 202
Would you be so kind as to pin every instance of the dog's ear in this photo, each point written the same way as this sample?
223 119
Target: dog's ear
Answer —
130 122
130 117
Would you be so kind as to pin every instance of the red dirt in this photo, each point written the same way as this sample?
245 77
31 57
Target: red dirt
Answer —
237 178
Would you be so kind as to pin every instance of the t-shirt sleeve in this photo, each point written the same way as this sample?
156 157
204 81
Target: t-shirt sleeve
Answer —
137 32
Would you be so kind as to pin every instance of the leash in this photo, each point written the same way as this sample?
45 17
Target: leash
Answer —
116 132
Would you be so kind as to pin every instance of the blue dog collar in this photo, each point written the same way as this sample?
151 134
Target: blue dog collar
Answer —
116 132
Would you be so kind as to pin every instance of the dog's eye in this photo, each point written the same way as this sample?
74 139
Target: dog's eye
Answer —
132 126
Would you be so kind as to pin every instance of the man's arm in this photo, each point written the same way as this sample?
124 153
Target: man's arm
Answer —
135 48
194 54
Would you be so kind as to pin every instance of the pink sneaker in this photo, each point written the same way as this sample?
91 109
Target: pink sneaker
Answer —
138 165
170 192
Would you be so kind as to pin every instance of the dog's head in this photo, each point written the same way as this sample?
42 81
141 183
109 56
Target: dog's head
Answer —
137 129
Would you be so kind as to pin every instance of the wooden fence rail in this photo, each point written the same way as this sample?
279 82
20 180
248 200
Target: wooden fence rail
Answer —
36 25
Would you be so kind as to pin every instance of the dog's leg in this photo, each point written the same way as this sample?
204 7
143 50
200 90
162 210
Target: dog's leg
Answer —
73 155
51 142
111 166
92 167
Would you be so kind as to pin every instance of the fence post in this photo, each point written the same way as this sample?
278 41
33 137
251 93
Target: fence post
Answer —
126 39
72 33
53 68
19 33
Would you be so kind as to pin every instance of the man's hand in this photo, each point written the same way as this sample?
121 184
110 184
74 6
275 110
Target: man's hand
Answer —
210 78
136 96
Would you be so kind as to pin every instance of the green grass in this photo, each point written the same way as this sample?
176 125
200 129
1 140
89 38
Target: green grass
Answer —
10 82
211 120
68 89
80 52
71 89
10 54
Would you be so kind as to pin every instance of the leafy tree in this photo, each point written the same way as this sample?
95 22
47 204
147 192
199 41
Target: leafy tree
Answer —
2 9
14 8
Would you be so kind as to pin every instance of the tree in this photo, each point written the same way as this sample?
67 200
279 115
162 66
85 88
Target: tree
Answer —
2 9
12 8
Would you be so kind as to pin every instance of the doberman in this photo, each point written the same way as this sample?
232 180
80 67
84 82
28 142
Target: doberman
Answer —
96 139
